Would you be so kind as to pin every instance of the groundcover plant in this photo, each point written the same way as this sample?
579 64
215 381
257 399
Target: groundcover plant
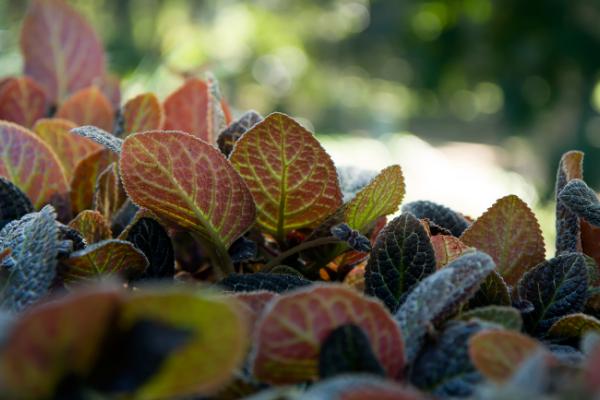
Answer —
161 249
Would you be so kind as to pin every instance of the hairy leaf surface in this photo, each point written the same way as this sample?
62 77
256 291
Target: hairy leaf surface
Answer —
556 288
150 238
92 225
508 317
233 132
447 248
291 177
581 200
88 107
359 387
574 326
402 257
13 202
438 214
493 291
142 113
60 49
290 333
567 224
109 194
100 136
277 283
85 176
22 101
439 295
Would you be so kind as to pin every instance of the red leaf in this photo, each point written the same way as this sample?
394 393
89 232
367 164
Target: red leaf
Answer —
92 226
290 332
22 101
255 302
85 176
142 113
60 49
110 85
447 248
88 107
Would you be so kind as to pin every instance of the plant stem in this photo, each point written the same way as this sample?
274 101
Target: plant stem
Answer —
219 257
301 247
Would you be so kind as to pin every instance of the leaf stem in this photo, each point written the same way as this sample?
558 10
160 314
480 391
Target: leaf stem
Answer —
219 257
301 247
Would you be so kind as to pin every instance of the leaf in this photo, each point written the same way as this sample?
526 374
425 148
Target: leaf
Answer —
358 387
30 164
85 176
60 49
509 232
353 180
438 214
256 302
438 296
88 107
243 250
110 86
277 283
346 350
556 288
189 183
581 200
110 256
109 194
13 202
233 132
92 225
22 101
401 258
591 370
380 197
142 113
507 317
498 354
353 238
567 224
444 368
493 291
100 136
574 326
54 340
216 348
69 148
590 243
150 238
291 177
447 248
191 109
290 333
31 265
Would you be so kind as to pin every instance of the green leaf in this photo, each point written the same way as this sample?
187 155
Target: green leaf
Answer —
507 317
402 257
556 288
438 296
493 291
574 326
291 177
92 226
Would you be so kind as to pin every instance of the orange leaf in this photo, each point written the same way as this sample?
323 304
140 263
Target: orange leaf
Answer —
69 148
31 165
290 332
88 107
84 178
92 225
292 178
498 354
60 49
142 113
109 194
22 101
509 232
447 248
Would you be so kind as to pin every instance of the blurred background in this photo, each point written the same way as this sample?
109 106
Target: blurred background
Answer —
475 99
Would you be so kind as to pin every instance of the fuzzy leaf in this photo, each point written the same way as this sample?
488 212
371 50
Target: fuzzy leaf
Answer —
277 283
358 387
88 107
293 327
291 177
110 86
54 340
150 238
243 250
509 232
447 248
233 132
346 350
581 200
507 317
31 266
438 214
216 348
444 368
69 148
85 176
567 224
188 182
191 109
22 101
401 258
574 326
439 295
556 288
92 225
353 180
13 202
30 164
493 291
142 113
109 194
498 354
256 302
105 257
60 49
100 136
